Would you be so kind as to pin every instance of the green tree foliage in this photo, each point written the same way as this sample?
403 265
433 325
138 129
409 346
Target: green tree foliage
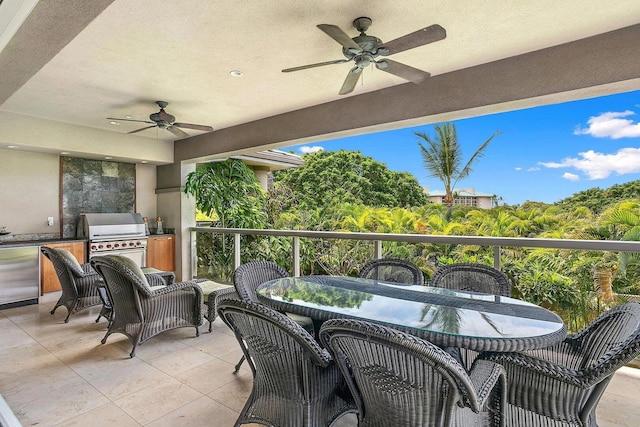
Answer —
442 157
329 178
597 199
230 191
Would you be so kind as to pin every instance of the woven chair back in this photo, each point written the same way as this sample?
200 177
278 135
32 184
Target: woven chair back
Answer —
393 270
250 275
472 277
397 379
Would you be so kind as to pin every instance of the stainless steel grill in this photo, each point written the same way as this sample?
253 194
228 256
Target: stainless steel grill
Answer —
115 234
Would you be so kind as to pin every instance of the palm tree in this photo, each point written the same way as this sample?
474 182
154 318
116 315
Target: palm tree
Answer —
443 157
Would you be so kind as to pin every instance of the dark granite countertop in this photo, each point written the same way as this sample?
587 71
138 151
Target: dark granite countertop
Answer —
41 242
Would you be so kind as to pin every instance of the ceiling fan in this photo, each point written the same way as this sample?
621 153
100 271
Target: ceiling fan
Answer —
363 49
164 120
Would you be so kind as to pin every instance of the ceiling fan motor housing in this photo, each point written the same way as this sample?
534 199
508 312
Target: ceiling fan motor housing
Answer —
368 44
162 117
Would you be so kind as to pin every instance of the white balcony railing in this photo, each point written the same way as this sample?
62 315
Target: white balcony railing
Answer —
379 238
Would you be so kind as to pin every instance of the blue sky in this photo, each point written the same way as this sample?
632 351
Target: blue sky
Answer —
542 154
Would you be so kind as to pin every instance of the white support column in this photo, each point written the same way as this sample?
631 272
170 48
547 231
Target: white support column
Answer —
178 210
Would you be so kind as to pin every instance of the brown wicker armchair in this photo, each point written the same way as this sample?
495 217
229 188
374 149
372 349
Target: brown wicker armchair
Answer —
562 385
295 381
143 305
398 379
472 277
80 283
393 270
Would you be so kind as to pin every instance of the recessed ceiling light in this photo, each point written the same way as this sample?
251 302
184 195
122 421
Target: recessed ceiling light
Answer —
236 73
144 161
108 158
127 116
12 146
113 122
64 153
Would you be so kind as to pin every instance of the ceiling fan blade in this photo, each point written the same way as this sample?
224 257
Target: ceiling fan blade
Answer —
421 37
319 64
196 127
401 70
351 80
129 120
338 35
177 131
140 130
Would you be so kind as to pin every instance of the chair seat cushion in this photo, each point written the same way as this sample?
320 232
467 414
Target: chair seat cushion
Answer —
133 267
71 262
210 287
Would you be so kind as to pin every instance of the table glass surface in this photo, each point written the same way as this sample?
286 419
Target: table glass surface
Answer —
435 310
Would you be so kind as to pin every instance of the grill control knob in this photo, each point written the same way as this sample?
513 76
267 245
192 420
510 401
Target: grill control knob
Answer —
108 246
117 245
93 247
100 246
132 244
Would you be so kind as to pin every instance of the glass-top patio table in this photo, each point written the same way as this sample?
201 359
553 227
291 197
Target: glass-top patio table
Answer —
445 317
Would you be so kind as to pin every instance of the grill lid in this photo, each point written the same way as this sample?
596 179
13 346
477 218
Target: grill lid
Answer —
110 226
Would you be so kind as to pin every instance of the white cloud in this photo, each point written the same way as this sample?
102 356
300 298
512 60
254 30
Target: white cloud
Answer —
518 168
600 165
571 176
611 125
533 169
310 149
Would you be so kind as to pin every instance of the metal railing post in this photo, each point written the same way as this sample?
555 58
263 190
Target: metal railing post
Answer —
194 254
296 255
377 249
496 257
236 250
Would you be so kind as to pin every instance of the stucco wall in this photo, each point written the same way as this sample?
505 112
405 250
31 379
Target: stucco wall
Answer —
146 200
30 192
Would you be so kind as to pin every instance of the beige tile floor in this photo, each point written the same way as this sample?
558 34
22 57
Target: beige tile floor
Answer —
52 373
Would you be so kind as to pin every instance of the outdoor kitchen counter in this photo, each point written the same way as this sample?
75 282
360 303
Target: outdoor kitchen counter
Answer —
42 242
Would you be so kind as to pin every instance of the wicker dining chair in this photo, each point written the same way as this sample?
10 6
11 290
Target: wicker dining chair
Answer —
475 278
80 284
472 277
246 279
143 305
562 385
295 381
398 379
392 270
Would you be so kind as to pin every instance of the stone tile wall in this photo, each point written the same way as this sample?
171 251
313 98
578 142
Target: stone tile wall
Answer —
95 186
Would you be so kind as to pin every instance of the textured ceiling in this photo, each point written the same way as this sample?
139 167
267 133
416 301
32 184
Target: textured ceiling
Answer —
138 51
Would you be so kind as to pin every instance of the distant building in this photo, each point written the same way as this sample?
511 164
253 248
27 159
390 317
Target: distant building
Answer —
464 197
263 163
